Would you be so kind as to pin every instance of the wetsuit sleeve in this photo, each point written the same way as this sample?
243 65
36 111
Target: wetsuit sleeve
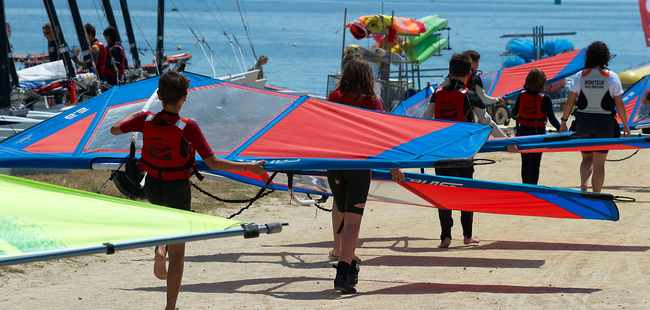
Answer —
193 133
547 105
134 122
429 112
479 89
515 109
482 116
475 100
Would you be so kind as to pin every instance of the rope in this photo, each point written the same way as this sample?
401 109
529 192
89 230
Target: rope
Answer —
245 25
99 15
225 200
317 205
110 177
261 193
624 158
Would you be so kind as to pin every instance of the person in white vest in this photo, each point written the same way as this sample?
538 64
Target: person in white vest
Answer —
596 93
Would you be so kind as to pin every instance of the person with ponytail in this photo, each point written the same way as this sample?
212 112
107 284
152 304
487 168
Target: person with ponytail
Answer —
596 93
350 187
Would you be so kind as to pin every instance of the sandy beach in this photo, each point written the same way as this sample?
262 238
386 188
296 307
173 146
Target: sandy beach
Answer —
522 262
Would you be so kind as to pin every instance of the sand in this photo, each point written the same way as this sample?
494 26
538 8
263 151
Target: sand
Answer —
522 262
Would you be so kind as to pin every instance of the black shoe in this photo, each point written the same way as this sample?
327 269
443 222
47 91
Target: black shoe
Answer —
354 272
342 281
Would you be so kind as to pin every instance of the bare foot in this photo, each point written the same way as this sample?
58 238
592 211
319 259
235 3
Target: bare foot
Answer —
445 243
470 241
159 262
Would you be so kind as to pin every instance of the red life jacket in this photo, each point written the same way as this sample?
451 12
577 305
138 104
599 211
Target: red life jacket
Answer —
100 58
450 104
166 154
530 112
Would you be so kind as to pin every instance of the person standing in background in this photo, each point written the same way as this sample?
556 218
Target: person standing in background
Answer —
52 49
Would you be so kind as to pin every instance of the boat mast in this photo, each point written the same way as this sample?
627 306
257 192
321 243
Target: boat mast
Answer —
5 86
129 33
86 56
62 47
12 64
160 48
108 10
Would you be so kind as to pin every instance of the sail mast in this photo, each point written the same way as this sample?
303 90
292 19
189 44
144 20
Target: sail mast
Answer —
62 47
5 86
129 33
160 44
86 56
108 10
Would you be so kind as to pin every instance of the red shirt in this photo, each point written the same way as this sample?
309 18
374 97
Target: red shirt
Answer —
361 101
191 132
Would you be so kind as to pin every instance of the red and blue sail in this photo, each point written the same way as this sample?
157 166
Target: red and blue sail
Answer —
566 142
245 123
301 135
416 105
637 108
509 81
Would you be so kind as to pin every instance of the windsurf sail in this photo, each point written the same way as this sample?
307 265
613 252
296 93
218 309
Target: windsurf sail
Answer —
296 134
509 81
566 142
74 222
636 106
453 193
644 9
416 105
246 123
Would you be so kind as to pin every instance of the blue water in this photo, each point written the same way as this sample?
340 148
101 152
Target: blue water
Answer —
303 37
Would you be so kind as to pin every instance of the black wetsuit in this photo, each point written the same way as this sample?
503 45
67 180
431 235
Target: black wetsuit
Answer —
444 215
530 162
52 51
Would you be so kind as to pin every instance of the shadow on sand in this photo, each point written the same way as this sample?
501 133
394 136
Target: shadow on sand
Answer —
278 288
633 189
403 244
295 260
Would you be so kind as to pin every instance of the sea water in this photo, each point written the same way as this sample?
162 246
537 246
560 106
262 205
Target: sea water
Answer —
302 38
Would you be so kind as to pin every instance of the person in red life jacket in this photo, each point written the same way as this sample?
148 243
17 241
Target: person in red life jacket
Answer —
596 92
533 108
453 101
99 52
350 187
116 63
169 146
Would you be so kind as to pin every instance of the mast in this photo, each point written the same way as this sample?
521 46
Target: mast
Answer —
12 64
62 47
108 10
160 44
129 32
5 87
86 56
